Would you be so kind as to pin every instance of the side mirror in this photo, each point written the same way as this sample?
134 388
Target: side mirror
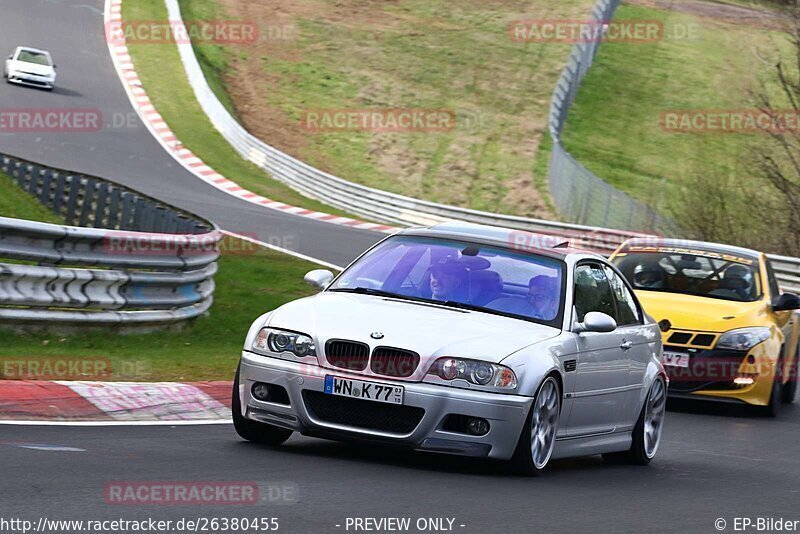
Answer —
11 56
318 278
596 322
786 302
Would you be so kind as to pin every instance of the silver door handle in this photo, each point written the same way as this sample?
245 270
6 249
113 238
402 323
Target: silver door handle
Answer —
626 345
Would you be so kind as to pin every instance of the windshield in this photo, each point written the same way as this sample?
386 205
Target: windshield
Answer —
486 278
33 57
701 273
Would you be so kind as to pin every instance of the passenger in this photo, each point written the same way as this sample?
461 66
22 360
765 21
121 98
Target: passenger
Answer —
648 276
543 297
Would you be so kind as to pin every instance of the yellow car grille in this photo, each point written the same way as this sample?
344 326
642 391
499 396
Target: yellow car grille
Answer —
690 339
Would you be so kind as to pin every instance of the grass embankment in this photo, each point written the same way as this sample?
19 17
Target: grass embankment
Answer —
16 203
420 54
614 127
251 280
161 71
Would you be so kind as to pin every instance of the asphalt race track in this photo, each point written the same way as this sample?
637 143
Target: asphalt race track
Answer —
715 462
124 151
709 466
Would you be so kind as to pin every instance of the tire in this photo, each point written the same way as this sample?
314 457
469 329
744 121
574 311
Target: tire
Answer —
775 396
544 414
789 393
647 432
252 430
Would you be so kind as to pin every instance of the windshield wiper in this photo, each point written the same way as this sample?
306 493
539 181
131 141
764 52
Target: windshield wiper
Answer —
372 291
462 305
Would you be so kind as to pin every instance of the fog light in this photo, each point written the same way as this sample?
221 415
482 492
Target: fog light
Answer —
478 426
743 381
261 391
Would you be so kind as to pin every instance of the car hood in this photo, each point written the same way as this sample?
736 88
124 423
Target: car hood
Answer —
429 330
33 68
690 312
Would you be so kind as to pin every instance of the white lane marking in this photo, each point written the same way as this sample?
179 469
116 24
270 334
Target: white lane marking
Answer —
283 250
53 448
21 422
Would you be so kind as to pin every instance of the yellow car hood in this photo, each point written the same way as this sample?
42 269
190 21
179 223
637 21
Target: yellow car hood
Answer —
689 312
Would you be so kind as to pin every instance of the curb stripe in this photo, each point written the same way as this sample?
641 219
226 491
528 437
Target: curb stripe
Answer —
124 66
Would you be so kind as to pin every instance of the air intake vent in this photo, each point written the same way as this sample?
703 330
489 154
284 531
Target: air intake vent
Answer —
680 338
348 355
703 340
570 365
394 362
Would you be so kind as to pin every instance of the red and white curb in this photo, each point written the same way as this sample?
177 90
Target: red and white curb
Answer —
38 402
123 63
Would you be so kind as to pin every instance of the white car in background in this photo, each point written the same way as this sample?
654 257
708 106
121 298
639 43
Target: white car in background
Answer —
30 66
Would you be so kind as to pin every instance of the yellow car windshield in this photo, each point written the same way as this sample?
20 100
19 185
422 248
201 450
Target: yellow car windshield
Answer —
705 274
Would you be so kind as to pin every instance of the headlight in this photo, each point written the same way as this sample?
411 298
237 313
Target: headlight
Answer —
274 340
743 338
475 372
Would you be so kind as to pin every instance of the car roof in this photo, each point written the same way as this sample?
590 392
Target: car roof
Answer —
547 245
702 246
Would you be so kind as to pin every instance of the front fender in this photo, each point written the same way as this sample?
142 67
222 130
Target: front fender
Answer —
532 364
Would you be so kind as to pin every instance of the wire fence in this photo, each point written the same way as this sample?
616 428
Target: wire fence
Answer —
580 196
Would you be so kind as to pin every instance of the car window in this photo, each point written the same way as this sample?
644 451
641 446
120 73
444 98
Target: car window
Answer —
593 292
689 271
627 310
36 58
495 278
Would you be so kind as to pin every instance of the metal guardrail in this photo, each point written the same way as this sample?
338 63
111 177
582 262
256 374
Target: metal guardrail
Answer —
132 260
619 209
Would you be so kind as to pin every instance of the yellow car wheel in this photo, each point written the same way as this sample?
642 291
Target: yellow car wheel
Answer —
790 388
775 397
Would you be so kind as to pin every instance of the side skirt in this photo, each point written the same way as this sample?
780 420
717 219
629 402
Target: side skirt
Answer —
595 444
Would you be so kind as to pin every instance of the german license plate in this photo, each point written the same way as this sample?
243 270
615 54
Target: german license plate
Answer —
360 389
676 359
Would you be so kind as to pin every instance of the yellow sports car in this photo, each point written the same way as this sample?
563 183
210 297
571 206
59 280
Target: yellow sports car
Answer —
729 333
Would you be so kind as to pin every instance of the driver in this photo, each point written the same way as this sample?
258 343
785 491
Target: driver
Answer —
448 282
543 296
738 279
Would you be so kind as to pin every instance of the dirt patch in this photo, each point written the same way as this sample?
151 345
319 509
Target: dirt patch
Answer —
412 54
726 13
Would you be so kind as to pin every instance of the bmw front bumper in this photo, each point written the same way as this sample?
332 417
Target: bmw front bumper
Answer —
505 413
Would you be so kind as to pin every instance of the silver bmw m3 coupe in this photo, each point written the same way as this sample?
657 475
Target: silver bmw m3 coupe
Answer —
461 339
